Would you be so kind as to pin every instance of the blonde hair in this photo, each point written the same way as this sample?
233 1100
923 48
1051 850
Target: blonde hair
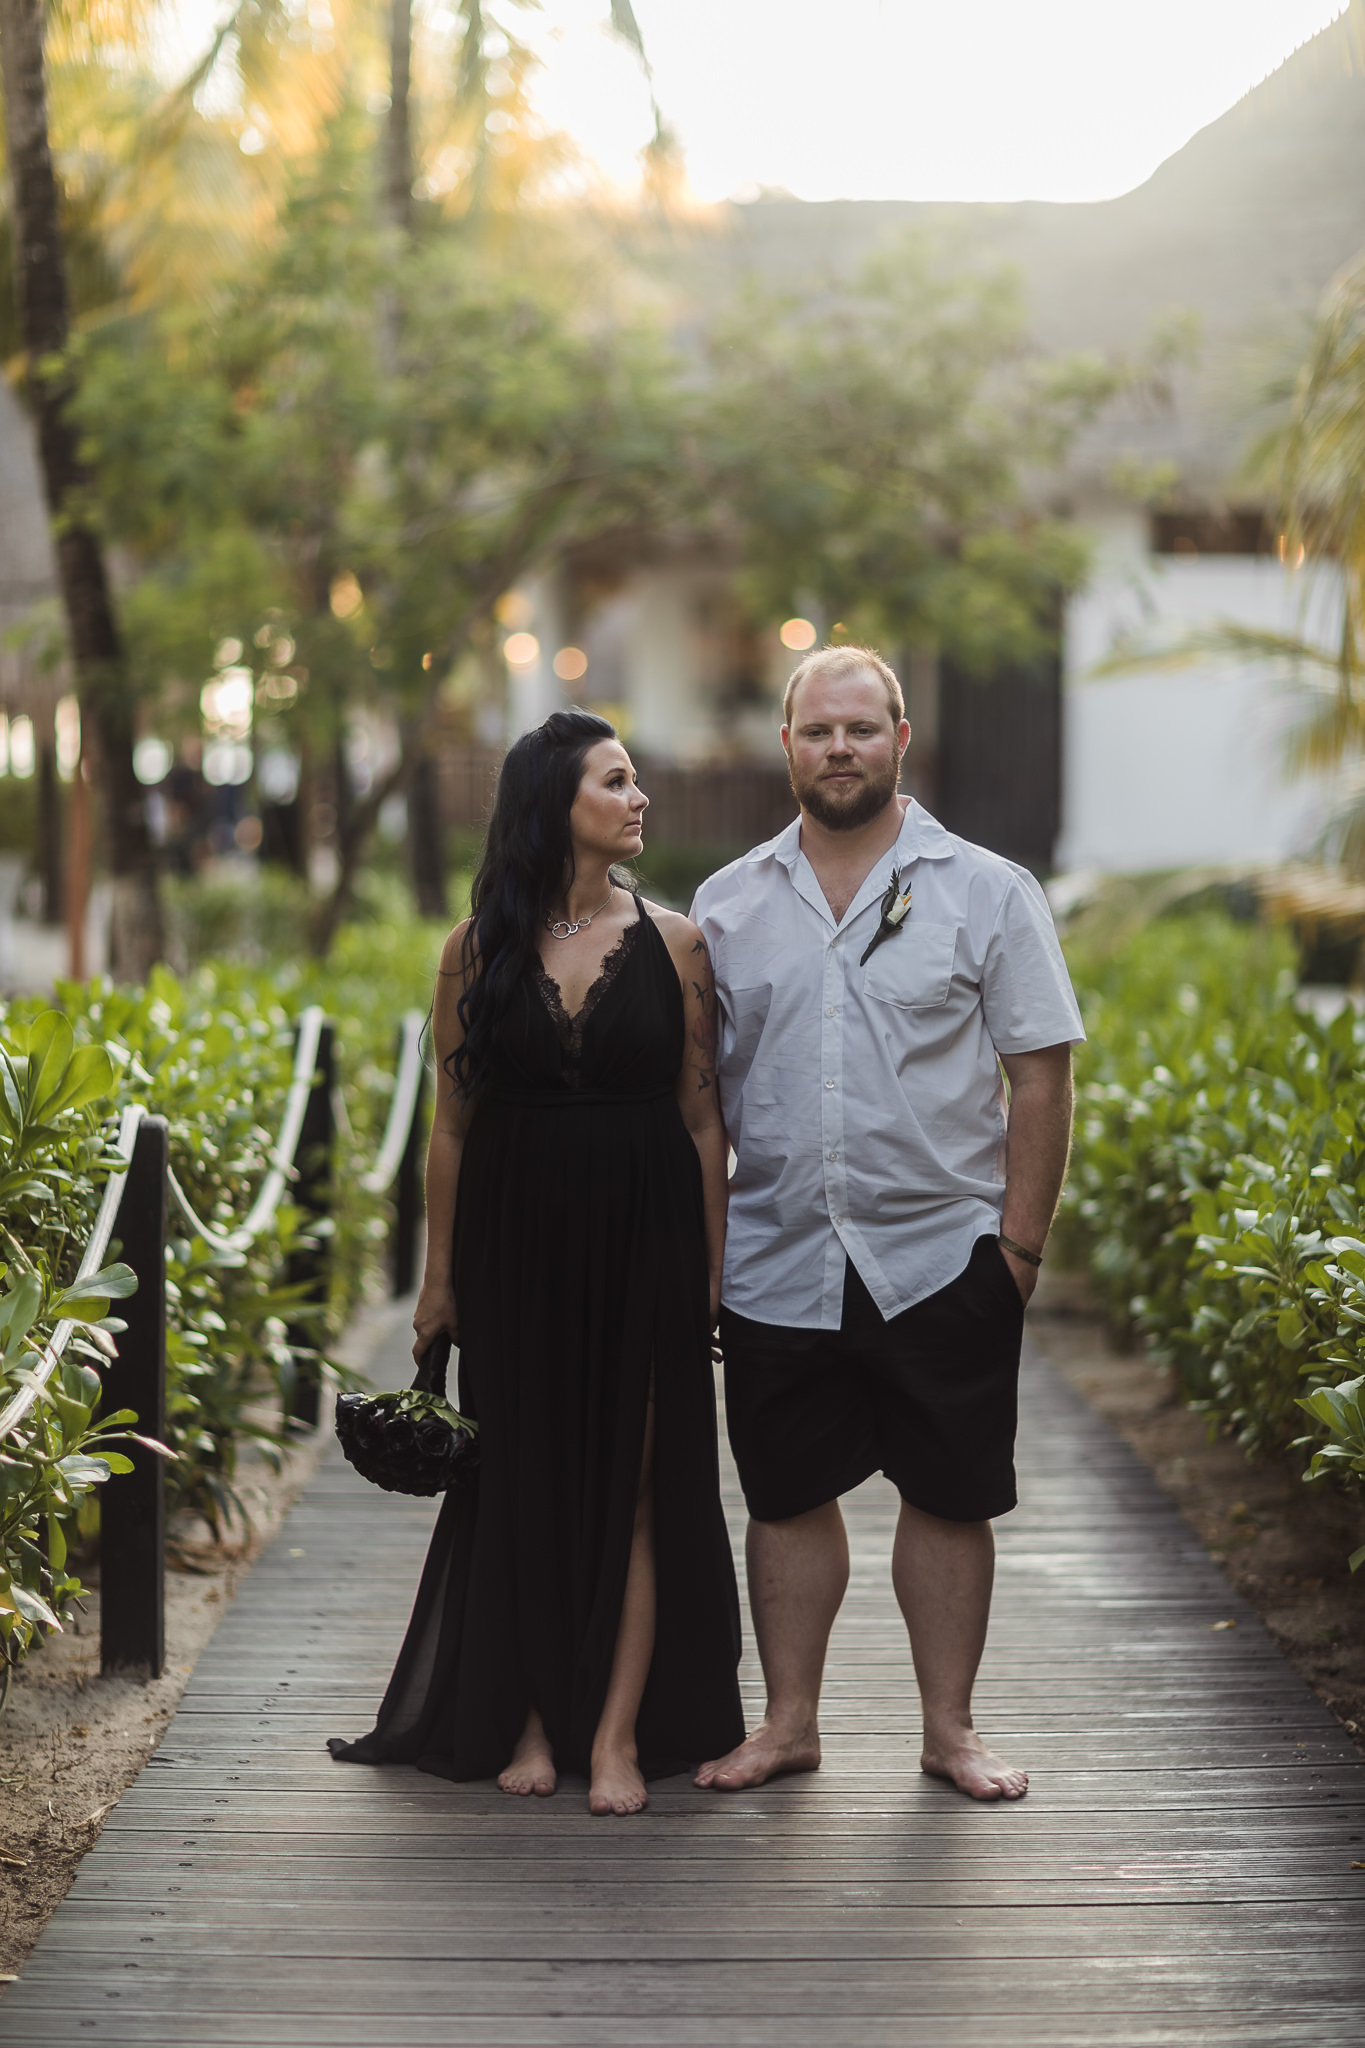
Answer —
844 660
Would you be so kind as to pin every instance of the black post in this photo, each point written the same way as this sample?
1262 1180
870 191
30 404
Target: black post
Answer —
407 1194
312 1192
133 1506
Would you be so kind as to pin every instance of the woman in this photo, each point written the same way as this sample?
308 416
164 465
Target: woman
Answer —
578 1607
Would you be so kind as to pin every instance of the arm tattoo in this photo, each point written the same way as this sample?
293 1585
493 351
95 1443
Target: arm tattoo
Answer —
704 1037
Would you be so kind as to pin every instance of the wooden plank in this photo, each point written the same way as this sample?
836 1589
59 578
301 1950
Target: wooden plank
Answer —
1194 1812
1331 2027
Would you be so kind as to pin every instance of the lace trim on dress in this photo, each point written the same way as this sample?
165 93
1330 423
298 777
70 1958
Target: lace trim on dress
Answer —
569 1030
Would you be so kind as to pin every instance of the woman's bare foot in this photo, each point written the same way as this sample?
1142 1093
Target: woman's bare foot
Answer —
964 1760
532 1768
767 1753
617 1786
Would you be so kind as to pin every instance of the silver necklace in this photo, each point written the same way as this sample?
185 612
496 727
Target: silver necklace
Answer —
561 928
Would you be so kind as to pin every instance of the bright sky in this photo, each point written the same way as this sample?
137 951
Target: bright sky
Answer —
891 99
913 99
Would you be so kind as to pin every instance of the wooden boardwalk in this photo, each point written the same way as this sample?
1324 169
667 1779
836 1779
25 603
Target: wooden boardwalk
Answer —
1180 1873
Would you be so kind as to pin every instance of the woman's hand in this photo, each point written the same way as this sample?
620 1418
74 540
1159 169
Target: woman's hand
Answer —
434 1316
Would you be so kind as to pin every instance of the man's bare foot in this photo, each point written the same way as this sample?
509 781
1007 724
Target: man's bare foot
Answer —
964 1760
767 1753
532 1768
617 1786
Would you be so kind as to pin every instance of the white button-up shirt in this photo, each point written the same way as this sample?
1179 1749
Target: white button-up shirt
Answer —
865 1104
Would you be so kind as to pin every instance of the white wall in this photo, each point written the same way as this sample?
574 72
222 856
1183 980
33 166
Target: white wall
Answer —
1186 766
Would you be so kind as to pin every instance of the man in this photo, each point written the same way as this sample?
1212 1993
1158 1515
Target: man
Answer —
874 974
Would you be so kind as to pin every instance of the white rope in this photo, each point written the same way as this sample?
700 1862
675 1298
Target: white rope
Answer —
378 1180
282 1169
91 1261
407 1082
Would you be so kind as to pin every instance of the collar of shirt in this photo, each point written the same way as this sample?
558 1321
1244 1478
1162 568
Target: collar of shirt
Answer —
921 837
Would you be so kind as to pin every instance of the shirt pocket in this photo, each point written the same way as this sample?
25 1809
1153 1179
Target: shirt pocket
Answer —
914 968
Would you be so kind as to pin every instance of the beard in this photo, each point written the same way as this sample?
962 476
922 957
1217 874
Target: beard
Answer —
844 806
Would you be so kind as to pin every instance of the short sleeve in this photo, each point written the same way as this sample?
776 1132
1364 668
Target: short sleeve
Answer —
1026 992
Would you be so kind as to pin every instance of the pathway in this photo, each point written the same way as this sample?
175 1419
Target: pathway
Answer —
1180 1875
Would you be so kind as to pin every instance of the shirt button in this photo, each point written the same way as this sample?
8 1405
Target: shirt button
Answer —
831 1155
840 1221
830 1012
829 1084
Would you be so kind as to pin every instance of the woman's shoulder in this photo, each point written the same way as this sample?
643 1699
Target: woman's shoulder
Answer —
453 951
678 933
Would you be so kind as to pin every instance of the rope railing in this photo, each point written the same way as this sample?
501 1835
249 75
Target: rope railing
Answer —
407 1087
262 1212
91 1260
133 1513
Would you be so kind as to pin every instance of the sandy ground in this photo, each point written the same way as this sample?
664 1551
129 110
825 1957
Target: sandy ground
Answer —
1281 1544
71 1742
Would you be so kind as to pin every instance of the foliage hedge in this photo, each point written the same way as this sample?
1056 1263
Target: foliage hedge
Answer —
1218 1182
212 1052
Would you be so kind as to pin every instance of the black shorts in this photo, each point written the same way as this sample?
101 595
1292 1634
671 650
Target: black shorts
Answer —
930 1399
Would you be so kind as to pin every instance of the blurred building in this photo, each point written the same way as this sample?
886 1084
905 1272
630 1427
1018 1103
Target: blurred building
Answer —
1239 233
1054 765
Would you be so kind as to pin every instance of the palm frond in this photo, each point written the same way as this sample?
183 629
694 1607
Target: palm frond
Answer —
1224 640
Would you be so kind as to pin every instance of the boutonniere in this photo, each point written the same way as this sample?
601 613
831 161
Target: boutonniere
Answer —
895 909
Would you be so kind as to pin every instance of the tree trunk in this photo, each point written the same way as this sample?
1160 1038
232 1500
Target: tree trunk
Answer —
398 135
136 937
48 839
426 840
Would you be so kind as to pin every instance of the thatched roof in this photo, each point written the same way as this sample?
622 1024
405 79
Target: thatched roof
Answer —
1243 227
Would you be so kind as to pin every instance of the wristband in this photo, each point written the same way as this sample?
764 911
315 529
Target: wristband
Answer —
1020 1251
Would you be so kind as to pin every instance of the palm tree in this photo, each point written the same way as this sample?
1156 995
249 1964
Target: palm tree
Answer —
1315 465
1322 478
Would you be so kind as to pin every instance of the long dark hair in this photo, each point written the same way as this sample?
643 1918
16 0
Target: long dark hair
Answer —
521 875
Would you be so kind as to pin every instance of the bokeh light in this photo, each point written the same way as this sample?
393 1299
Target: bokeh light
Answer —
226 703
152 761
570 663
226 765
798 634
522 650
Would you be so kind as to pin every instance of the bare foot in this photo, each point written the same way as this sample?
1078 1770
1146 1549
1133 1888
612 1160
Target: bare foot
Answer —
532 1768
617 1786
964 1760
765 1754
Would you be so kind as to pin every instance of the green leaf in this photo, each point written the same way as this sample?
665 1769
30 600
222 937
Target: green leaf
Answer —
50 1045
33 1607
116 1282
18 1312
1290 1328
89 1078
80 1470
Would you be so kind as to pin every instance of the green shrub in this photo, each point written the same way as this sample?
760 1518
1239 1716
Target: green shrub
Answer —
213 1053
54 1156
1218 1182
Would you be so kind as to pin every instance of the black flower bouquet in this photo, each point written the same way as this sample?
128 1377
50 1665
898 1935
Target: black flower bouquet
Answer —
412 1441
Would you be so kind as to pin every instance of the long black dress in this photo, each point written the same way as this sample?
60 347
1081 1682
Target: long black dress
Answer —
580 1279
